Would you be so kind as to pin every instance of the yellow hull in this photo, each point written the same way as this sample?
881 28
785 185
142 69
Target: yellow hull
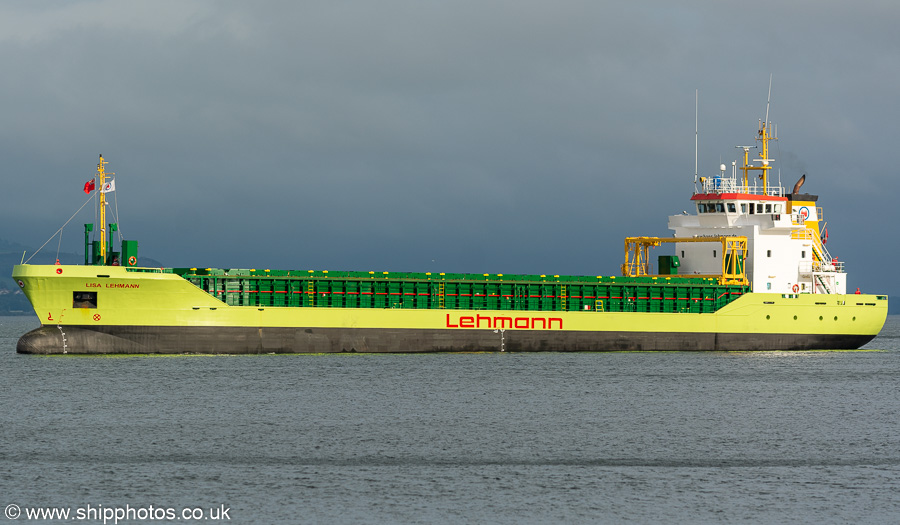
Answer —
153 312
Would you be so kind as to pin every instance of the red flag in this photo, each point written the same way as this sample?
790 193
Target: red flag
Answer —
89 186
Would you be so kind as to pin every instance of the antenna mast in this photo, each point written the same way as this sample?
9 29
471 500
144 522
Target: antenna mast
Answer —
765 137
696 132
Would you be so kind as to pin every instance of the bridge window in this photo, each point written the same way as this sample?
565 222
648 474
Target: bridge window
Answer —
744 208
768 253
803 254
768 208
720 207
701 208
731 207
714 254
778 208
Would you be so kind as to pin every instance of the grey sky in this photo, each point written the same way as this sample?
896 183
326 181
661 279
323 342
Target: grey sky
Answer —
438 136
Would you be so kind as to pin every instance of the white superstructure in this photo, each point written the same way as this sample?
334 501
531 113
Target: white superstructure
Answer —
785 231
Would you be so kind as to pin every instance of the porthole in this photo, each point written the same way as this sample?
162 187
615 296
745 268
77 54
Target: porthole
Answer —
821 318
835 318
767 318
795 318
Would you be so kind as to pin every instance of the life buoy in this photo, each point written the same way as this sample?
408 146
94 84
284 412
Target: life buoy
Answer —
796 288
132 260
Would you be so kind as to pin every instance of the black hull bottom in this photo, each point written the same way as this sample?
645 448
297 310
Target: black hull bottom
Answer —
249 340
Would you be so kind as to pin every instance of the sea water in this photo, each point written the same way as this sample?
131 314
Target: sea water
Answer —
756 437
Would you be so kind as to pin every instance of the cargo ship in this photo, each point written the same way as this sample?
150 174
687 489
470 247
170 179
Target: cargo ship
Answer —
749 271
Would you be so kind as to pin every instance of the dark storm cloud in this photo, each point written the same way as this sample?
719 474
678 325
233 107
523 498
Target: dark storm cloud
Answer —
483 136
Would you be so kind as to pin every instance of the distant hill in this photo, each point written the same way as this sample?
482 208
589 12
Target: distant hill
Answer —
12 300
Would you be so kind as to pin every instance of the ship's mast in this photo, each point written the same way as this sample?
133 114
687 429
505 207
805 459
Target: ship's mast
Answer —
763 136
764 167
696 134
101 176
746 166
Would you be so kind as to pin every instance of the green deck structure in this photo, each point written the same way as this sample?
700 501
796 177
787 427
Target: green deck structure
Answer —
282 288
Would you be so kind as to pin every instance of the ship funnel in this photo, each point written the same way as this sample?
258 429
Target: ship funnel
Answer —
799 183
